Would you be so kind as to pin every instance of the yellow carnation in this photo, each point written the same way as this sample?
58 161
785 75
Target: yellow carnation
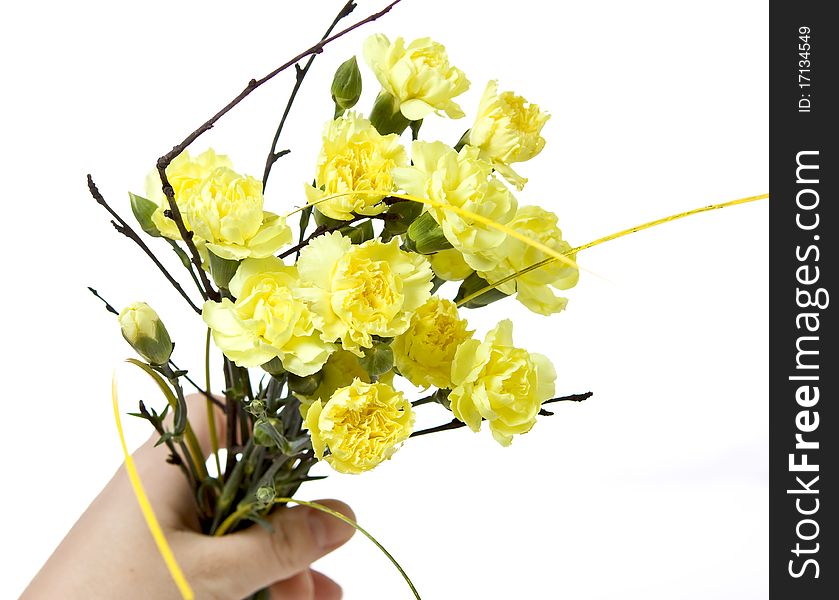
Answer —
354 157
507 130
418 76
267 320
362 290
464 180
226 213
533 289
449 265
360 426
185 174
502 384
424 353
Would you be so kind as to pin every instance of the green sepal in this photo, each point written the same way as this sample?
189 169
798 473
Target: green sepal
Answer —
377 360
406 213
425 236
143 209
305 386
386 116
360 233
222 269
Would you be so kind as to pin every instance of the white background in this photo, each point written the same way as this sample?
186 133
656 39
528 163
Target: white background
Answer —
654 488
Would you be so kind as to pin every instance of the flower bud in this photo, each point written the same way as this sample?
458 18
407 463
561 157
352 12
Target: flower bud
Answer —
265 496
262 429
143 329
346 85
377 360
425 235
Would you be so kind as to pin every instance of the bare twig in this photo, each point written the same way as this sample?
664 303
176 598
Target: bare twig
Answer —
455 424
124 228
255 83
322 230
108 307
273 154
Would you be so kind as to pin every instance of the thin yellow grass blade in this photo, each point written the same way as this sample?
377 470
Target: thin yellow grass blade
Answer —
613 236
145 506
358 527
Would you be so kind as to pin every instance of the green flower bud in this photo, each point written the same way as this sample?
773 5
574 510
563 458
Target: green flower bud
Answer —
377 360
265 496
425 236
472 284
386 116
346 85
256 407
143 209
261 435
143 329
305 386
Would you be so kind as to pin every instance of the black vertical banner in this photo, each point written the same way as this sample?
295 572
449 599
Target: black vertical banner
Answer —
804 368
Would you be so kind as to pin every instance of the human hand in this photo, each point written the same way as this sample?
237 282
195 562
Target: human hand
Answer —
109 552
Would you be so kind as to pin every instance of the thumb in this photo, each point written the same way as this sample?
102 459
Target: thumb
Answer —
258 558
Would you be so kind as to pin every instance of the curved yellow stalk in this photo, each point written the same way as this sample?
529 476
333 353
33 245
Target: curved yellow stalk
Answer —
243 510
145 506
609 238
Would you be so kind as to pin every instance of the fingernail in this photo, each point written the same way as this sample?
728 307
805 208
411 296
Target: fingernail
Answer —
326 529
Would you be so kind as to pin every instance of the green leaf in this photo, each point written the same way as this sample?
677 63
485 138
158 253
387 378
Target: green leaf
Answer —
472 284
305 215
143 209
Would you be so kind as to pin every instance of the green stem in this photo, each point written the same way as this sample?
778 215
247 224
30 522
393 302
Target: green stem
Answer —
211 418
195 455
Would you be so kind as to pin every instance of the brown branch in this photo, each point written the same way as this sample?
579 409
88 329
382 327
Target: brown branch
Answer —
165 160
455 424
273 155
125 229
255 83
321 230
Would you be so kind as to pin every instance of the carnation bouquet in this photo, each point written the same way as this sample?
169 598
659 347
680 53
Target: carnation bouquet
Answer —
343 314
